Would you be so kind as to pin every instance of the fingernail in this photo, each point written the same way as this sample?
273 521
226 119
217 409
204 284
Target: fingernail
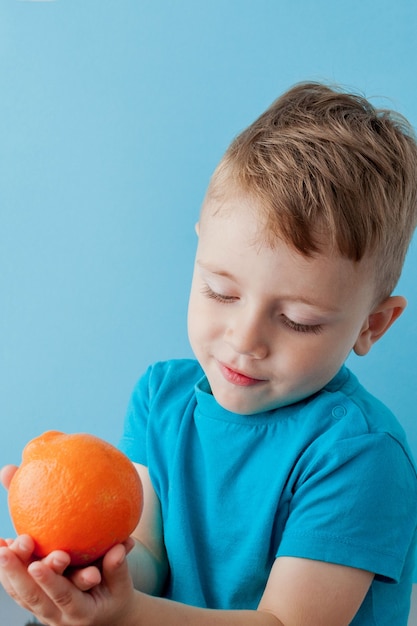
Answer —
35 570
60 562
121 556
3 558
23 544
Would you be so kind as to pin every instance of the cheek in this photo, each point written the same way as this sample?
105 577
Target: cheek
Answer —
196 317
192 303
321 362
191 317
204 322
303 361
307 358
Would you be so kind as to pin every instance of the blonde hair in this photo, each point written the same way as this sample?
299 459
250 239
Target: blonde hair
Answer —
329 169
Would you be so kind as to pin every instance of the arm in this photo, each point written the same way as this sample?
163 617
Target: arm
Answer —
302 591
147 560
298 592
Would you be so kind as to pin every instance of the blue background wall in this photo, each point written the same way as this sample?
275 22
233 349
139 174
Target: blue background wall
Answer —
112 118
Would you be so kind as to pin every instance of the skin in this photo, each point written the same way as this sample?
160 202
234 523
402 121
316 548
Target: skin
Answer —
269 327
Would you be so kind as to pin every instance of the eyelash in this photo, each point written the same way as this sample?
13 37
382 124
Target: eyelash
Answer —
295 326
303 328
209 293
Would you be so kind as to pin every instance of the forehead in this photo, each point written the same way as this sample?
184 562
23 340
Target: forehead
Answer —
233 205
272 221
272 225
234 232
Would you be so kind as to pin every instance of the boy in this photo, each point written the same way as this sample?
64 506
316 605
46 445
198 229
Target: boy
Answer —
277 490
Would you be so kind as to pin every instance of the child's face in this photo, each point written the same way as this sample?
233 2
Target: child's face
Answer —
268 325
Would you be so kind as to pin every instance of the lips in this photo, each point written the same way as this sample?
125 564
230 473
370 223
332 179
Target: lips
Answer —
238 378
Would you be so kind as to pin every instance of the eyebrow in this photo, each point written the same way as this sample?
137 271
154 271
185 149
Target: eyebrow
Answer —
214 270
288 298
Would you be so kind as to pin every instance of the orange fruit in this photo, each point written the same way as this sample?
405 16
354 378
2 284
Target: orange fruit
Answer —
76 493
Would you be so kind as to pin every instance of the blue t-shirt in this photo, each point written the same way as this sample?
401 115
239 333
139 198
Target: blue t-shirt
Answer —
329 478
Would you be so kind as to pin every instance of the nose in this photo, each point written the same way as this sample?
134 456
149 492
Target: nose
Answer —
247 333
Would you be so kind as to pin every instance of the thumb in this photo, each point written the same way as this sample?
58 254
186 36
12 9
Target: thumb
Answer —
115 570
6 474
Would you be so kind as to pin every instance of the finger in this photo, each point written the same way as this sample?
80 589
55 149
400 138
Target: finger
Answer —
129 544
17 582
86 578
23 546
115 570
64 599
58 561
6 474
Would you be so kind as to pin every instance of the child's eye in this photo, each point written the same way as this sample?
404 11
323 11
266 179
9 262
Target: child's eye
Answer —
209 293
302 328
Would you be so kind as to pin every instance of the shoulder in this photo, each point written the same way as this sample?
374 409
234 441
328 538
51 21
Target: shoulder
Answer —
177 369
354 484
164 385
175 374
158 404
346 422
361 411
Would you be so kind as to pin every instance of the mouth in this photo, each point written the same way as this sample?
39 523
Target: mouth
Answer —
238 378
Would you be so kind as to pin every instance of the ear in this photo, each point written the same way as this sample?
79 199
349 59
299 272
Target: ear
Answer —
378 322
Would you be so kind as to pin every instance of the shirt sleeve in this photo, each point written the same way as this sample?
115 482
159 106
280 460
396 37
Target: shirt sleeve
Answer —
355 504
134 438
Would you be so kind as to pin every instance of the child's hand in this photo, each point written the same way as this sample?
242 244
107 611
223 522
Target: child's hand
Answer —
6 474
89 596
